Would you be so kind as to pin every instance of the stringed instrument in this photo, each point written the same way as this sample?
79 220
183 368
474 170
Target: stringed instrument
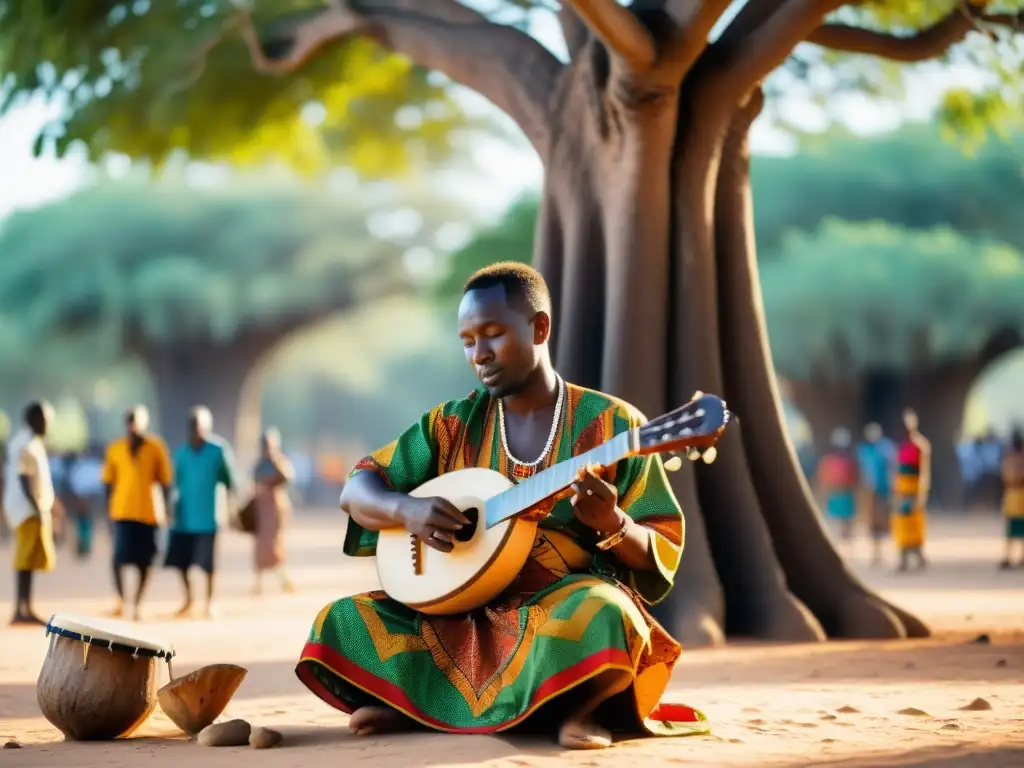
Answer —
489 553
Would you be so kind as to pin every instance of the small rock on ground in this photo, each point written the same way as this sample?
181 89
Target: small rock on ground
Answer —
233 733
977 705
264 738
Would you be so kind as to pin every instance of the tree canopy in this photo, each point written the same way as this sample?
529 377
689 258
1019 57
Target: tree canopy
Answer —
845 297
142 264
911 177
150 79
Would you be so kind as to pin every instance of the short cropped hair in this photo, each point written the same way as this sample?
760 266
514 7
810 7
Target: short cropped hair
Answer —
524 286
139 416
201 416
36 410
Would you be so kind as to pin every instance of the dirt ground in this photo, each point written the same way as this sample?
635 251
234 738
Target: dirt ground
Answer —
834 704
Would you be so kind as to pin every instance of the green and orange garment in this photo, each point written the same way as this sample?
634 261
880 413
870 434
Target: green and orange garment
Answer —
574 614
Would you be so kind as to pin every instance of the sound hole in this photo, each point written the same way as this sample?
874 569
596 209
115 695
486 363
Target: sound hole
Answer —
466 533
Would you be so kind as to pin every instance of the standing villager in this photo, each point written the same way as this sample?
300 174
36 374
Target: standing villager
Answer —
272 475
28 502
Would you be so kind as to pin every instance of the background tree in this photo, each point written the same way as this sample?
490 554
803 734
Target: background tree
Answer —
912 177
866 319
645 231
199 285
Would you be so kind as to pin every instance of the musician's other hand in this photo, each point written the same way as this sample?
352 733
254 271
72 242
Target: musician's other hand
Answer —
433 520
595 501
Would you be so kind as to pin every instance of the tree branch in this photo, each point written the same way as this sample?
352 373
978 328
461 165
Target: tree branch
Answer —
501 63
620 30
760 38
574 31
694 20
926 44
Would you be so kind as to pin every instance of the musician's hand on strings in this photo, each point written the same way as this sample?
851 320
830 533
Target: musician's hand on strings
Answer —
595 502
433 520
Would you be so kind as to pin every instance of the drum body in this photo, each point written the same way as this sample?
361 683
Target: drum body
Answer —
98 681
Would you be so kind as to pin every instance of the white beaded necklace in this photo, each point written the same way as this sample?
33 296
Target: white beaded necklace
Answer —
551 436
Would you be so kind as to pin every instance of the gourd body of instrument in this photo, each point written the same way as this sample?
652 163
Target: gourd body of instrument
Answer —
476 570
489 554
99 679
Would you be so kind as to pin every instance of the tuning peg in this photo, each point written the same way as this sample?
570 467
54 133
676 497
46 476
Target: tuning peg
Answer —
692 453
673 463
697 395
710 455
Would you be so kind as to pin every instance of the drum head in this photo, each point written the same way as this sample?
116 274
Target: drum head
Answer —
104 631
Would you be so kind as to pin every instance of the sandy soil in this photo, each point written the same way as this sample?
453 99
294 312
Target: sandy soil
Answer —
835 704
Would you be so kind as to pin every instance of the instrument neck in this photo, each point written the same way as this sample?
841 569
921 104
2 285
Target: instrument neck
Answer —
550 481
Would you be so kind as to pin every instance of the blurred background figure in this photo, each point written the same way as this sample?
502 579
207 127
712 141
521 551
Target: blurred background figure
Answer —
837 480
28 503
876 461
85 486
272 475
911 486
202 465
1013 498
137 475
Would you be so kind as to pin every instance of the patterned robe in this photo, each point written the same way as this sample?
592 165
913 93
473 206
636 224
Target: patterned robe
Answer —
573 614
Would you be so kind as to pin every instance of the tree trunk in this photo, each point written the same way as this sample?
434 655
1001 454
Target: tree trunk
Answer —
223 378
939 395
827 404
884 397
679 301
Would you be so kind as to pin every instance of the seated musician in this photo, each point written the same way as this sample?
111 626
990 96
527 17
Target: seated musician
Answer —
570 641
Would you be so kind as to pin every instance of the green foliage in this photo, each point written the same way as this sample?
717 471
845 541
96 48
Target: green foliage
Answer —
849 296
911 177
135 80
167 262
153 79
510 239
992 54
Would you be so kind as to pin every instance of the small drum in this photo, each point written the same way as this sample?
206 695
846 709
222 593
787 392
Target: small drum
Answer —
99 679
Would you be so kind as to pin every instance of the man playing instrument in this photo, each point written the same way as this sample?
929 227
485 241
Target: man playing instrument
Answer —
569 642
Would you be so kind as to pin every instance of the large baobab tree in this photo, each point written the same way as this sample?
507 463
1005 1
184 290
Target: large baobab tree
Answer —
645 229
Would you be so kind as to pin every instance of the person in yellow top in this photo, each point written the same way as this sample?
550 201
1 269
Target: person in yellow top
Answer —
1013 498
135 466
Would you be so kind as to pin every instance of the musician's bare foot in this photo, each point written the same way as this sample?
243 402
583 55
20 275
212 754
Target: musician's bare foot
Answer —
367 720
118 611
26 619
184 612
583 733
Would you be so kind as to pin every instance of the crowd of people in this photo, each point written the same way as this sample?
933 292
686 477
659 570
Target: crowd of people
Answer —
143 488
886 484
